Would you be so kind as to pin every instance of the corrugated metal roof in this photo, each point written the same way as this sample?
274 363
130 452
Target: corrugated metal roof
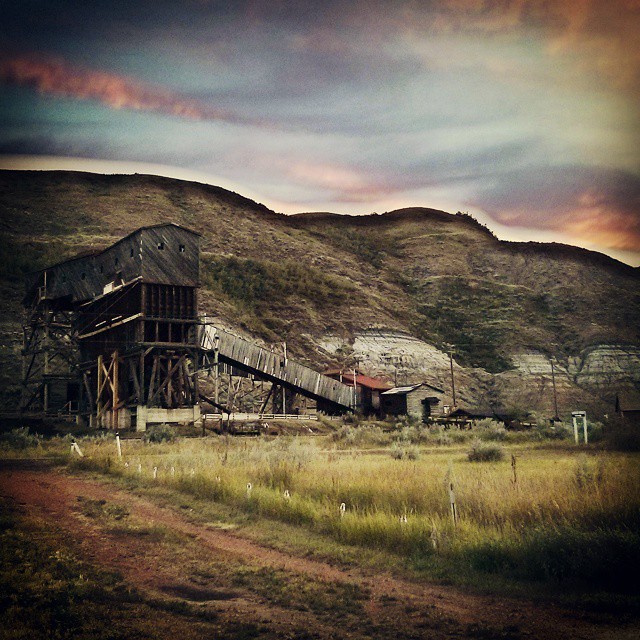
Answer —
362 381
399 391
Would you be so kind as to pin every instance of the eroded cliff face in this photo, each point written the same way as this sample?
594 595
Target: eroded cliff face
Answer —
380 289
589 379
606 366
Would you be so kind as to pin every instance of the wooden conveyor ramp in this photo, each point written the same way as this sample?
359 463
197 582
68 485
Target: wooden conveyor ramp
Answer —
250 358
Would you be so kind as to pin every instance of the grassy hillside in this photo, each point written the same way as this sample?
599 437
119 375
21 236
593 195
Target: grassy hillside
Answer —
444 278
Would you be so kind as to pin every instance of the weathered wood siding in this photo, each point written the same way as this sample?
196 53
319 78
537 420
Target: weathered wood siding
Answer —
248 356
415 399
170 255
164 254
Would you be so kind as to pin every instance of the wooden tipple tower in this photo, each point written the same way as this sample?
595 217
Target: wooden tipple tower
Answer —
121 327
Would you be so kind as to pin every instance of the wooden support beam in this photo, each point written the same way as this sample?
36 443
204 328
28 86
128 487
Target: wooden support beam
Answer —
152 380
133 368
167 379
87 386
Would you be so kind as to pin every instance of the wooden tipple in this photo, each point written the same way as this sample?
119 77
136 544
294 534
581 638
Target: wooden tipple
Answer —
113 335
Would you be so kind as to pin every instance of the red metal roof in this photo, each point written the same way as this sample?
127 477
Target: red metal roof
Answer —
362 381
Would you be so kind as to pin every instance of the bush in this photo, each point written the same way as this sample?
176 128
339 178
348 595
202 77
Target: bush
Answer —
360 436
558 431
414 435
160 433
490 430
485 452
20 438
400 452
443 439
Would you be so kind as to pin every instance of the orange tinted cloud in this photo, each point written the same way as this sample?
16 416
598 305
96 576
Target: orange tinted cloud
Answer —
590 222
57 77
602 37
597 222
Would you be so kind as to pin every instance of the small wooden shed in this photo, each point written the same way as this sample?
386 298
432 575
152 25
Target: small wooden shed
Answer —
417 401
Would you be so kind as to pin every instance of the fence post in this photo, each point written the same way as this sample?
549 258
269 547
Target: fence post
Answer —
76 448
118 445
452 502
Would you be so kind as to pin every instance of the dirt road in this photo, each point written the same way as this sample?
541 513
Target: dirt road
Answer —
162 553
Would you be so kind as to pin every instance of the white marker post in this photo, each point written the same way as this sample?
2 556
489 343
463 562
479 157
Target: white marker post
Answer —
155 473
579 415
249 488
452 502
76 448
343 509
118 445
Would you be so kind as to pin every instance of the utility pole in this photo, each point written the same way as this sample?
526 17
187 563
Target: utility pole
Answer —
355 384
216 361
453 380
284 393
556 417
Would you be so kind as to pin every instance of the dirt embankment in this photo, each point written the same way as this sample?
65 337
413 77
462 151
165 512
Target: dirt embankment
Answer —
291 597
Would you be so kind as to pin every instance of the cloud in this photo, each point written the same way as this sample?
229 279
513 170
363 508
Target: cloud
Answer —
57 77
591 205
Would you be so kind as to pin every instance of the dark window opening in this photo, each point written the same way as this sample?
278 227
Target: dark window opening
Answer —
161 245
101 268
182 248
83 276
131 253
117 261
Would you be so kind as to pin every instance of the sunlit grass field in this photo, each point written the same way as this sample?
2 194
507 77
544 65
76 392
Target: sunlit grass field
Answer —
547 511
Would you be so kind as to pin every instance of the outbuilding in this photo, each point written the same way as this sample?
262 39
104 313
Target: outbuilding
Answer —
417 401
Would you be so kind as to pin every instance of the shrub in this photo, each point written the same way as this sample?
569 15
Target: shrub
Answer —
485 452
20 438
360 436
444 439
400 452
558 431
396 451
160 433
489 430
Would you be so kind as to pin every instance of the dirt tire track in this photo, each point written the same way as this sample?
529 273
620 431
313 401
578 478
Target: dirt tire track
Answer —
413 609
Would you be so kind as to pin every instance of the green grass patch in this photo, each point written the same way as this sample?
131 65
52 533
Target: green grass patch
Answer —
260 291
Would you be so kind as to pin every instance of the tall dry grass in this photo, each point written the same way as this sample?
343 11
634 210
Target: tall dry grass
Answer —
562 515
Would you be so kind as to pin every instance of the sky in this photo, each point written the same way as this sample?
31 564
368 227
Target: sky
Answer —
524 113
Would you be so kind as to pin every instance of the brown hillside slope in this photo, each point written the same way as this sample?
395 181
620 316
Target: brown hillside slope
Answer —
440 277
